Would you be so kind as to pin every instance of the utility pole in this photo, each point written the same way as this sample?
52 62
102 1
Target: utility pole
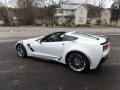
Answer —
9 17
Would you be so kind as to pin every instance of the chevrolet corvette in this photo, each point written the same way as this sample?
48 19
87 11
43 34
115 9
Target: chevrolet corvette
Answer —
80 51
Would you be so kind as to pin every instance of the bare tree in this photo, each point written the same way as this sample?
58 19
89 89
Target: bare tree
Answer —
115 11
12 3
1 4
100 3
25 12
59 2
52 2
65 1
29 10
3 14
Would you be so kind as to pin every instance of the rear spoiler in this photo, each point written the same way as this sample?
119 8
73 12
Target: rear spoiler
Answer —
107 39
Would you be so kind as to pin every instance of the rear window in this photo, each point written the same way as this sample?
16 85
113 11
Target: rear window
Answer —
69 38
85 35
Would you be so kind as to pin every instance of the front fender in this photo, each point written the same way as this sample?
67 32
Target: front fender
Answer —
19 42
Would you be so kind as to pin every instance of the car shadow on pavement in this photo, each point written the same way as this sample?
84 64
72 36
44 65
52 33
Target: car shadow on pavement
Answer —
51 62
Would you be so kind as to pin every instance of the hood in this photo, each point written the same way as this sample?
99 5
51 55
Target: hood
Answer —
36 39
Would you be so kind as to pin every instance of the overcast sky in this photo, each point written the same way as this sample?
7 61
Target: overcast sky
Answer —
12 2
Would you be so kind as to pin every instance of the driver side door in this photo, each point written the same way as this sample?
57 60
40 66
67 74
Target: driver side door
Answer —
51 50
50 47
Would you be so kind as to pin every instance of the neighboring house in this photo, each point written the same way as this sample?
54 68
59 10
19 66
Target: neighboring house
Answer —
71 14
82 14
78 14
94 14
106 16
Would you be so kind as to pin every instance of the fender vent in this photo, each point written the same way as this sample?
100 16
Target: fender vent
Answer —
30 48
60 58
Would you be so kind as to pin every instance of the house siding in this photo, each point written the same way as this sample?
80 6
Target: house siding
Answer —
81 15
61 20
76 16
106 16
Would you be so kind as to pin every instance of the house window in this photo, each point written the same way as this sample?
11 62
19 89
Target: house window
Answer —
80 19
60 11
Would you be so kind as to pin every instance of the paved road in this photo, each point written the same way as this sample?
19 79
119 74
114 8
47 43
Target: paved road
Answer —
33 74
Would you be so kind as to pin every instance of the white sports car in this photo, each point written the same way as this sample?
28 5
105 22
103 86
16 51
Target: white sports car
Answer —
80 51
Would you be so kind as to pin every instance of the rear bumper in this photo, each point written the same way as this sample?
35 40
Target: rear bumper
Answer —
102 61
105 53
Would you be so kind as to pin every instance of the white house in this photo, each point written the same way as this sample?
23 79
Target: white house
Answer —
71 14
106 16
78 14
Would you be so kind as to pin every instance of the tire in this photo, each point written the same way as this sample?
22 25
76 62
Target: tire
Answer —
78 62
21 51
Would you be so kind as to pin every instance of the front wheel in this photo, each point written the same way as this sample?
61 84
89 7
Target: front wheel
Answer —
21 51
77 62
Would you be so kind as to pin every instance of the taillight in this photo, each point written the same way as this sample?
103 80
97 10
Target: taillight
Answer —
105 47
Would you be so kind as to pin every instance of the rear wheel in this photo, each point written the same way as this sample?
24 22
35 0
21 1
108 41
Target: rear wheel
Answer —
21 51
77 62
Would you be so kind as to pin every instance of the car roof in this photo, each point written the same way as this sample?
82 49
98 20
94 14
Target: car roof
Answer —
72 33
81 34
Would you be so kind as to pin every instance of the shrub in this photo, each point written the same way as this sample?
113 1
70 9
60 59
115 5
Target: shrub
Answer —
98 22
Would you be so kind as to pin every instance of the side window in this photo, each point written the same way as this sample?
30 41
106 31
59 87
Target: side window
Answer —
51 38
56 37
69 38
